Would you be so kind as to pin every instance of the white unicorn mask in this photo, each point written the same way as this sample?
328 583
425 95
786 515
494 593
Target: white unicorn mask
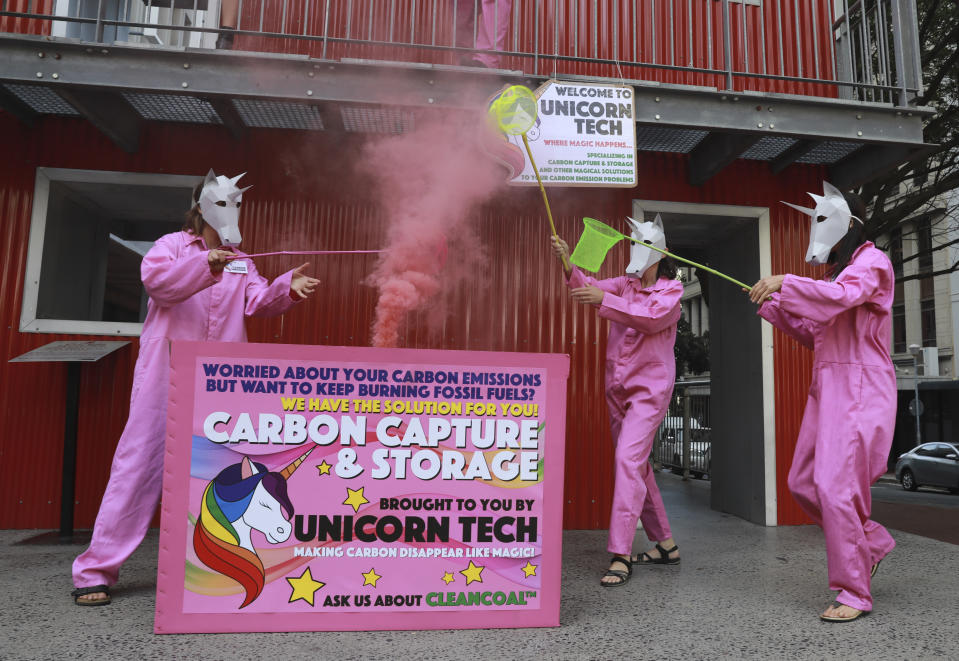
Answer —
641 257
825 234
220 205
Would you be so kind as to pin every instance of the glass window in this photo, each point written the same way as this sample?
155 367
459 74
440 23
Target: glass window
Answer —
895 251
925 450
88 234
927 311
899 328
924 245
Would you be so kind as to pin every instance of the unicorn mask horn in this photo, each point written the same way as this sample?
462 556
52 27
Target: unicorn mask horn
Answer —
220 205
832 207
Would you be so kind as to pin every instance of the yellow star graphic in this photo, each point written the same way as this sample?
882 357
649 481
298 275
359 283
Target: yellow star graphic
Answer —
473 573
529 570
447 578
304 587
324 468
371 577
355 498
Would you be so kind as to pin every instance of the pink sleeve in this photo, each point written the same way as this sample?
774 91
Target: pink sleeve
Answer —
658 312
169 278
579 279
801 330
267 299
865 279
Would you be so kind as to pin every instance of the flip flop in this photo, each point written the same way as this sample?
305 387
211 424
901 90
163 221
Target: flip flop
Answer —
875 568
831 618
623 576
102 601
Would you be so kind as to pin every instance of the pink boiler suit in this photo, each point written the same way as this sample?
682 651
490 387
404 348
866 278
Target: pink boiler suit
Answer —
491 32
847 427
640 371
187 302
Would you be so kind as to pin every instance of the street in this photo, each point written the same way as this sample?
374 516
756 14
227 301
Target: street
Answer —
929 512
894 493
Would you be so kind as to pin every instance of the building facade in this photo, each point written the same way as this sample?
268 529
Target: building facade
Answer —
109 118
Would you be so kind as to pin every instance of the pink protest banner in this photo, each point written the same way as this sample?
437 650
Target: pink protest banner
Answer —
311 488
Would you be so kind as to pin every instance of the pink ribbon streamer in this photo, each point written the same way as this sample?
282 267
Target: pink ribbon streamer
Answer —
308 252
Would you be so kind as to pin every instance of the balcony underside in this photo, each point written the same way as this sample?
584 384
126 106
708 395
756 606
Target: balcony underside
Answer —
119 87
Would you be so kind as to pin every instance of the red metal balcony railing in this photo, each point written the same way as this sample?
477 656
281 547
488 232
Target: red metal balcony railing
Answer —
866 50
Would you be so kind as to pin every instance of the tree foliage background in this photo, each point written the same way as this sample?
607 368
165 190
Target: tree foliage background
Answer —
927 187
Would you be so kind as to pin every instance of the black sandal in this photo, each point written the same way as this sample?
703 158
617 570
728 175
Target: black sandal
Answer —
623 576
663 559
79 592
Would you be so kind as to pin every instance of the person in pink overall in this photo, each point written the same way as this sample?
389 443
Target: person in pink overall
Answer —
195 294
482 25
643 308
847 427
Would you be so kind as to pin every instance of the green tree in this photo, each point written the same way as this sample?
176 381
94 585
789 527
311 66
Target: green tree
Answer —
927 187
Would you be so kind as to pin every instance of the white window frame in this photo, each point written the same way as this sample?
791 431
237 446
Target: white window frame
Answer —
29 323
647 208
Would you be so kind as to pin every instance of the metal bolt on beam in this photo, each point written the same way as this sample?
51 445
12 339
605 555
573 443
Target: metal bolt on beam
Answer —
186 65
40 54
184 84
56 76
309 92
39 74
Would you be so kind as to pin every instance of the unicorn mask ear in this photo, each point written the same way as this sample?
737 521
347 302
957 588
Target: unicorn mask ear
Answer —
641 257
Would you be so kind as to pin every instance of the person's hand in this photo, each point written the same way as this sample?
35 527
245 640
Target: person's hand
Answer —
301 284
560 247
762 289
588 294
218 258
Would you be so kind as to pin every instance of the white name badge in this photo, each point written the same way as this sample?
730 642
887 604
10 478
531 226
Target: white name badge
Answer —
237 266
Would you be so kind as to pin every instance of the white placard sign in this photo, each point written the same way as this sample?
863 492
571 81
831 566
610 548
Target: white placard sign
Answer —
584 135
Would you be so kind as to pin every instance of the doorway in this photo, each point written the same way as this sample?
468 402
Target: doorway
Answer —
733 240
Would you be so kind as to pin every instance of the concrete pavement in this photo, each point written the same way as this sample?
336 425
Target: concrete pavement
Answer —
742 592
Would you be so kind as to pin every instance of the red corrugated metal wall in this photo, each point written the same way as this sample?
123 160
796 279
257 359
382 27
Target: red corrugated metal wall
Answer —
26 25
303 196
665 32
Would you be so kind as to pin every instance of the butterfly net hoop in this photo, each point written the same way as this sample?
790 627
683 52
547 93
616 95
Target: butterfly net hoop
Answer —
514 112
594 243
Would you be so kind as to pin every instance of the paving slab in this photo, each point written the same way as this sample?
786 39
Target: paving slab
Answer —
742 592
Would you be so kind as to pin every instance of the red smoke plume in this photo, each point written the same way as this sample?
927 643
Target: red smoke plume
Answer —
428 184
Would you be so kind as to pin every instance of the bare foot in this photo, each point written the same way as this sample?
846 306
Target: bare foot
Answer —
841 612
613 579
93 598
654 554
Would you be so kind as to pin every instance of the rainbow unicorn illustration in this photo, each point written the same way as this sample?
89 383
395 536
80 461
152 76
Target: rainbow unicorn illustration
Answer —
244 497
